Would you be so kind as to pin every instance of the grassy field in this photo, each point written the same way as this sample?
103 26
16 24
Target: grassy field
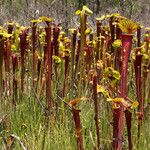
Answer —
38 132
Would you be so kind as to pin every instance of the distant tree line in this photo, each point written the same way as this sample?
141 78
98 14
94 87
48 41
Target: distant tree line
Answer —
63 10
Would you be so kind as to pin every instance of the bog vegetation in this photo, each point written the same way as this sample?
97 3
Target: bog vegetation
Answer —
85 88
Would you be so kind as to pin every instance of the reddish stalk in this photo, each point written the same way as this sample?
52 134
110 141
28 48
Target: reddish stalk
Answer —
145 75
116 114
15 84
112 30
49 67
107 41
128 116
138 36
138 76
83 20
102 48
66 74
118 32
67 55
88 57
34 42
23 47
118 61
147 40
45 56
126 47
1 64
77 121
97 54
56 32
96 118
98 26
41 87
77 56
74 37
7 55
38 71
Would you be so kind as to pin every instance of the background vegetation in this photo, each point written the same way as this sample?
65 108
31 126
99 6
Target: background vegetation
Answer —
63 10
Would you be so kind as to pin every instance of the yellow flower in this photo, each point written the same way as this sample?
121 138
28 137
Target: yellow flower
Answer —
46 19
56 59
13 48
117 44
127 26
101 89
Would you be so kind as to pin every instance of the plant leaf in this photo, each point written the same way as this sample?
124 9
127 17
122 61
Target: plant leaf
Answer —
127 26
78 12
86 9
101 89
135 104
